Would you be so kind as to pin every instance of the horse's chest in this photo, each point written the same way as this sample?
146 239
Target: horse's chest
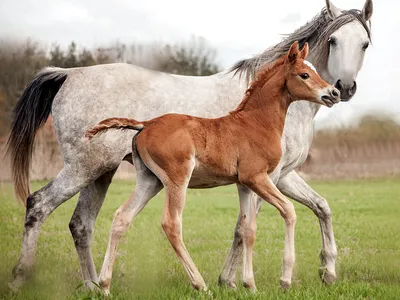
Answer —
296 146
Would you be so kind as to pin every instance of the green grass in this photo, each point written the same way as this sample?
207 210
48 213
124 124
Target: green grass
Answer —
366 222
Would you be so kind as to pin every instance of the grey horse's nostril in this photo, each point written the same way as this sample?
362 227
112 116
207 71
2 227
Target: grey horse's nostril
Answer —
353 88
338 84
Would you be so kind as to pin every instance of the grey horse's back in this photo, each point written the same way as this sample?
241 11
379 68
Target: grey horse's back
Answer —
79 98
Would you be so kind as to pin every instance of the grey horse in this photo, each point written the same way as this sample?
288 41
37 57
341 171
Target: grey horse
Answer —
79 98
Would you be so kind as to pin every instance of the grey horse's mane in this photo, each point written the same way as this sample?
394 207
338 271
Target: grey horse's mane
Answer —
316 33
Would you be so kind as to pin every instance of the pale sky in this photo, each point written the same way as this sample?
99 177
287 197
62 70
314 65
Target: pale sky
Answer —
237 29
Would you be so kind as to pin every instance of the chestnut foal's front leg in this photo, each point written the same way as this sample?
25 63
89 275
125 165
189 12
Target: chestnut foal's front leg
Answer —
262 185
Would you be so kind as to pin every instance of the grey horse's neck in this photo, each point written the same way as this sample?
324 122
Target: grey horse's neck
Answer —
314 108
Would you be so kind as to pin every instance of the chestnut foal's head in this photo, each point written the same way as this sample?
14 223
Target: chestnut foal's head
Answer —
303 82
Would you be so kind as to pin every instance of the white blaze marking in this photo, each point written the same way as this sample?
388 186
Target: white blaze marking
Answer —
311 66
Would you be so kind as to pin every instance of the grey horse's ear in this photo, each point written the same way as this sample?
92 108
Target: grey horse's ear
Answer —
332 10
367 10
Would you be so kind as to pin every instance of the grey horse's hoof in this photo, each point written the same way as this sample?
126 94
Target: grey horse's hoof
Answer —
285 284
228 283
20 277
326 276
13 287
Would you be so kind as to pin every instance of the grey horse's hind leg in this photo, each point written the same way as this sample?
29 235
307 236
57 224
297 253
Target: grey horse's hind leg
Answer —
228 274
293 186
40 205
82 223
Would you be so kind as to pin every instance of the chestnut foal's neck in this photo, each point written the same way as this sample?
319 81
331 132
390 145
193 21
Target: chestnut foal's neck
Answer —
267 104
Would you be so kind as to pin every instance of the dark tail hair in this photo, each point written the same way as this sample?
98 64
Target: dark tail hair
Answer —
115 123
30 113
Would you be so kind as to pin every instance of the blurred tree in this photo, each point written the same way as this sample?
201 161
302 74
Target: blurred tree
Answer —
56 56
86 58
102 56
195 58
19 63
71 60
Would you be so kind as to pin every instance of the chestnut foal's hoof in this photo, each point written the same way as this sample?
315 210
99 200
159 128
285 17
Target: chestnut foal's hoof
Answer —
200 287
250 285
251 289
105 286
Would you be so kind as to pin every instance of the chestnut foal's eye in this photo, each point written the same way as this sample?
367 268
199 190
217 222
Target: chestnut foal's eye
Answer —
304 76
365 46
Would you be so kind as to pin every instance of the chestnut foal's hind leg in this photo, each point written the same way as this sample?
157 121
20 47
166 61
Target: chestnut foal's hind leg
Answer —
264 187
147 186
172 225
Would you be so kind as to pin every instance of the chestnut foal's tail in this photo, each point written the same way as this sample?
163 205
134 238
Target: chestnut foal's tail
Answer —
114 123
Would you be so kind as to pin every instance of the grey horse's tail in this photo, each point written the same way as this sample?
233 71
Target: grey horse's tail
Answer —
30 113
115 123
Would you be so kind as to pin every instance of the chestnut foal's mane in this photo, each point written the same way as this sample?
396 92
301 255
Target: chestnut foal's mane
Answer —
262 77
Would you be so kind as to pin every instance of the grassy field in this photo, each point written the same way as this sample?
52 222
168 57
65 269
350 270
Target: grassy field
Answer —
366 222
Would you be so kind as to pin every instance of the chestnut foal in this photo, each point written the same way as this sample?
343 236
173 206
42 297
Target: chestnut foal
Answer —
180 151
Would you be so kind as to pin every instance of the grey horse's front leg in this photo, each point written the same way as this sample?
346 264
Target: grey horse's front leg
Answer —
228 274
293 186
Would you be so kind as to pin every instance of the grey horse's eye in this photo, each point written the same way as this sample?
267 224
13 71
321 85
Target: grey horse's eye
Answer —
365 46
332 41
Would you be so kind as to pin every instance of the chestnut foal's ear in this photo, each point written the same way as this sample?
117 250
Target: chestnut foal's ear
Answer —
304 51
293 52
367 10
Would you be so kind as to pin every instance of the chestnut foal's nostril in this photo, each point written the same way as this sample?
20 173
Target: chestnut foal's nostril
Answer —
335 93
325 97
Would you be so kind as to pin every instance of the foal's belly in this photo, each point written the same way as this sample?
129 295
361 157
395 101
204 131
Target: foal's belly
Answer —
202 179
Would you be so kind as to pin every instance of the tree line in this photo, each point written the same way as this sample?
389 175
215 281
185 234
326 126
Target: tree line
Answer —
20 61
